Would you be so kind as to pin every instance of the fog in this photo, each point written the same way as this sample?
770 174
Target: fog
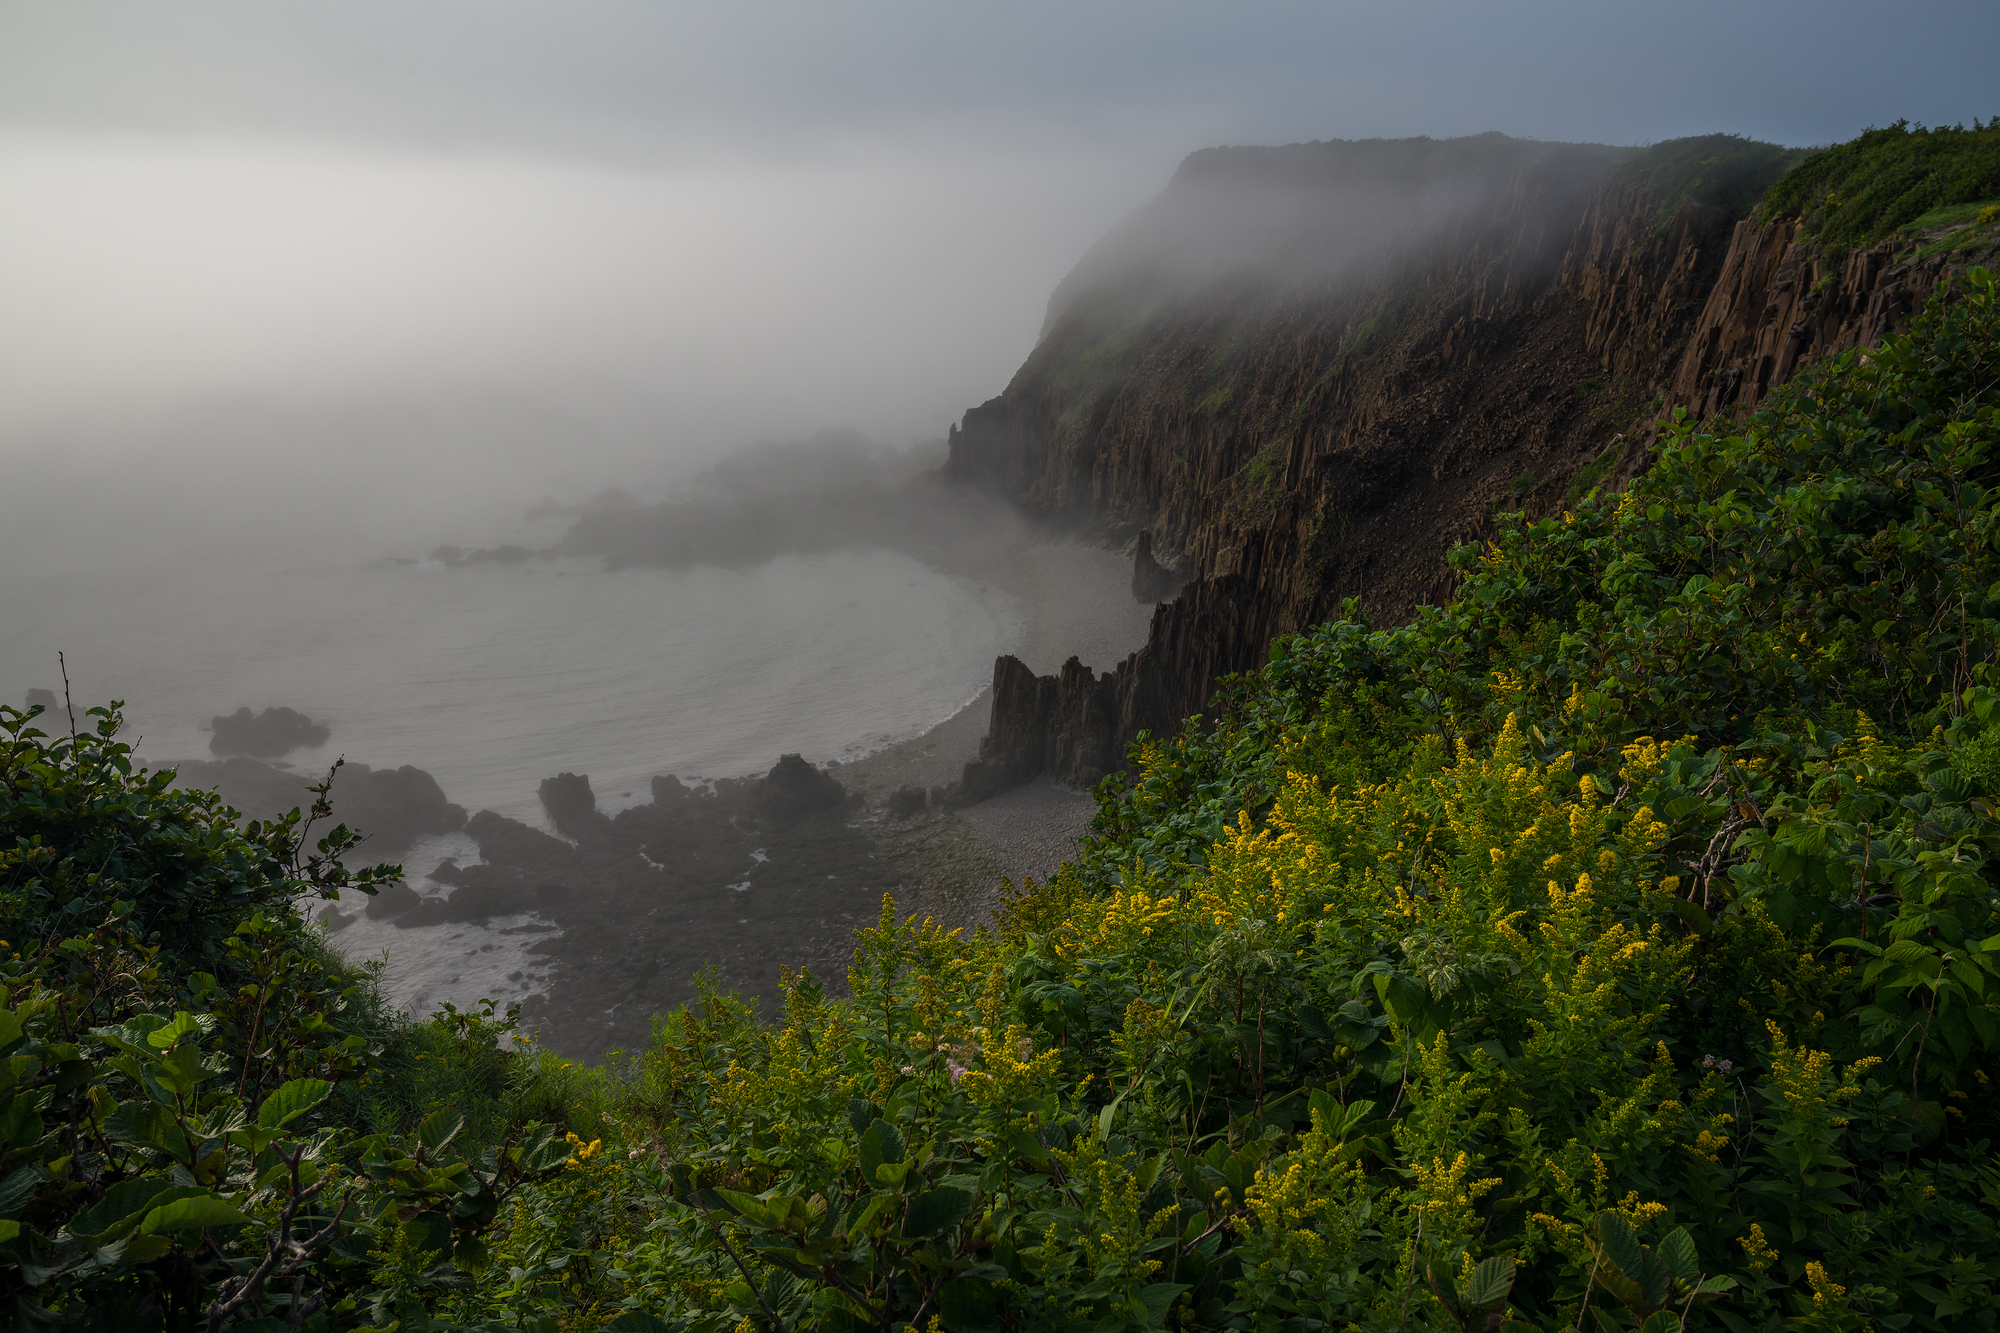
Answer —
531 314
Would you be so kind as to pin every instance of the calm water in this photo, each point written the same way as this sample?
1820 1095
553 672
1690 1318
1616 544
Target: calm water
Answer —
493 678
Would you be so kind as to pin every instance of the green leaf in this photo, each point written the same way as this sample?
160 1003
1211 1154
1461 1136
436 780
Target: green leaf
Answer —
192 1214
18 1188
880 1143
1678 1250
935 1211
292 1100
766 1215
124 1206
1490 1284
183 1027
1621 1245
439 1129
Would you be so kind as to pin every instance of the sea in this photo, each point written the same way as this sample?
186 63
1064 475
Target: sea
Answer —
489 677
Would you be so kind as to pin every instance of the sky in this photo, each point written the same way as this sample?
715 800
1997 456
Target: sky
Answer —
596 241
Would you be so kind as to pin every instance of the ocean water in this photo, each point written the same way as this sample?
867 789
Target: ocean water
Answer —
491 678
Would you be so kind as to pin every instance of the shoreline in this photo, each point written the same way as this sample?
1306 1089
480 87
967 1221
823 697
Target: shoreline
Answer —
608 922
1075 601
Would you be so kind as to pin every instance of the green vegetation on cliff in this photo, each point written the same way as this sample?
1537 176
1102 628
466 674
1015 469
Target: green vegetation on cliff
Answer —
1858 192
1618 943
1724 171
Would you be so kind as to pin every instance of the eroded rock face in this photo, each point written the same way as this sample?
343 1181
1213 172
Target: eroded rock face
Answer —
1280 449
1151 580
794 789
1782 304
266 735
572 806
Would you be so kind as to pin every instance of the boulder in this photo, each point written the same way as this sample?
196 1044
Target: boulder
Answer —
907 800
265 735
794 789
392 900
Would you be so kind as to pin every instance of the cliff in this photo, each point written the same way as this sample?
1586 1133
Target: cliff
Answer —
1784 302
1303 374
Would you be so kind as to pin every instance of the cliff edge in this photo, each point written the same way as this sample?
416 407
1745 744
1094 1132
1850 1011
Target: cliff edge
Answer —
1302 374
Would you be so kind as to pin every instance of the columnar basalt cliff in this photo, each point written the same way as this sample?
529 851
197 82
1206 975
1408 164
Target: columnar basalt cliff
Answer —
1282 400
1783 303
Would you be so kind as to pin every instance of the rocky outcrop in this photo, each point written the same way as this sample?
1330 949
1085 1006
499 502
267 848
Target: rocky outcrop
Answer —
571 805
266 735
391 807
1783 303
794 789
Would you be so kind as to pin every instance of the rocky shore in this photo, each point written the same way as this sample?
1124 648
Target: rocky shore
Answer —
739 878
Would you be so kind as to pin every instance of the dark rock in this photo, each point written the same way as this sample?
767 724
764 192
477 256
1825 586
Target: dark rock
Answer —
572 806
794 789
906 800
392 901
265 735
1151 580
390 807
508 842
494 892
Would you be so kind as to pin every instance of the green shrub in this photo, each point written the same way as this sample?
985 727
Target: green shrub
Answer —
1858 192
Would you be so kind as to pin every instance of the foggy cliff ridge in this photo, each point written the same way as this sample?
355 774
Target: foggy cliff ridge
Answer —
1303 374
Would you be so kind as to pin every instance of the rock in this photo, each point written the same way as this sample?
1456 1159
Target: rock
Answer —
265 735
572 806
1151 580
794 789
390 807
392 901
508 842
906 800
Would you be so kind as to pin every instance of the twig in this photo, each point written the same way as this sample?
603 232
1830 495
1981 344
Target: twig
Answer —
1589 1286
64 667
748 1281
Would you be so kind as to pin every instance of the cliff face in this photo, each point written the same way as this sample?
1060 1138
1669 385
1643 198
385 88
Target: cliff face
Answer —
1783 303
1278 420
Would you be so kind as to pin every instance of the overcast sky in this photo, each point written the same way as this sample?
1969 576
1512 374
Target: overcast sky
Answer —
615 229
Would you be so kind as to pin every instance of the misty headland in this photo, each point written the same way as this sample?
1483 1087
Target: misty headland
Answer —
571 733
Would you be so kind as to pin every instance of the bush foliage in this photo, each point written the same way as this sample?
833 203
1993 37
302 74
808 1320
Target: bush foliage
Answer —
1858 192
1615 946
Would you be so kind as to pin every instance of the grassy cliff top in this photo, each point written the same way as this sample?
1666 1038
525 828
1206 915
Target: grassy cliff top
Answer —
1888 180
1725 171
